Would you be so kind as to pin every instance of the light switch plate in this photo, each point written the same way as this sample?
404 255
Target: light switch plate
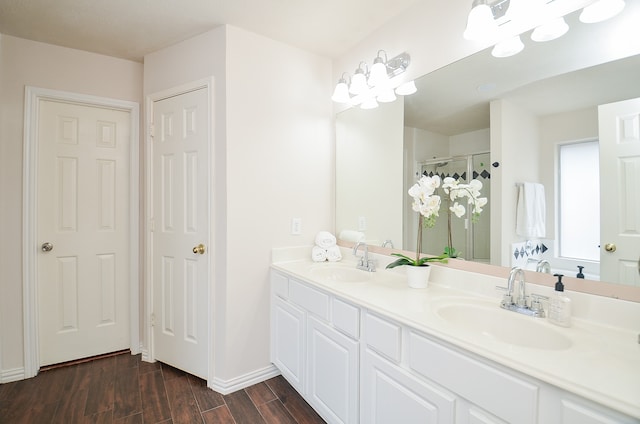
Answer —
296 226
362 223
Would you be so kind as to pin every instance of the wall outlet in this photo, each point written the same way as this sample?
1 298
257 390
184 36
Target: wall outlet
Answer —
296 226
362 223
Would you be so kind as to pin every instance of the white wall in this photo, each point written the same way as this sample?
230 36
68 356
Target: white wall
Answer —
515 144
273 161
470 143
280 165
372 141
24 62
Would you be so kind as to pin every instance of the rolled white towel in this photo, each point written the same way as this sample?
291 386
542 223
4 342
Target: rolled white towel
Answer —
334 254
318 254
352 236
325 239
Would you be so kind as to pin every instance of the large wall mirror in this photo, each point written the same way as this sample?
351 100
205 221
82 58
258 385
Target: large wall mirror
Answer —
461 122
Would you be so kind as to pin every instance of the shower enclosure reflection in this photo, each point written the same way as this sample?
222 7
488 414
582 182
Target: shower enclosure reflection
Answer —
470 239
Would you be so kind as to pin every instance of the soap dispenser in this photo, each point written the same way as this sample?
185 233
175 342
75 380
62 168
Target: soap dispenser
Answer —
560 305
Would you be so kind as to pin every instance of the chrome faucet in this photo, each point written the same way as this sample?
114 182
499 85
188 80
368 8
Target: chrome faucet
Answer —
364 263
543 266
520 305
387 243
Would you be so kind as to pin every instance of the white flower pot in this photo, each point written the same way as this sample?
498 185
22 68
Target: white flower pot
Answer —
418 276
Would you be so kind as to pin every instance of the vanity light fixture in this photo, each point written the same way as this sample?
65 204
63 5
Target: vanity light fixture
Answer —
491 20
380 84
601 10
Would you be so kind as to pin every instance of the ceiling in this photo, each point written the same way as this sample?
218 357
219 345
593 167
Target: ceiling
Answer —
130 29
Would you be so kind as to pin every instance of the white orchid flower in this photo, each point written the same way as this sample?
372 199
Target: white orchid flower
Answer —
458 209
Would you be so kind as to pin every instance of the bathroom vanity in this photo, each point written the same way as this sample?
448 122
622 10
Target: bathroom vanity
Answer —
362 347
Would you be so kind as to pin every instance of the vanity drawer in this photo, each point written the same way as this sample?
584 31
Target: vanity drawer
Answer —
346 318
280 285
312 300
504 395
383 336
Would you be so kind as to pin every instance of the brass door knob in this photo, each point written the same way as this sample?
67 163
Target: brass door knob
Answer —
199 249
610 247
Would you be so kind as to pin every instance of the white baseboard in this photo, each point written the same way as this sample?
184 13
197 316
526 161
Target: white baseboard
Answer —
238 383
15 374
145 355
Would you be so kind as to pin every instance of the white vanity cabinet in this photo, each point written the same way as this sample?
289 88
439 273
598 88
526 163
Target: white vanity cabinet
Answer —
356 364
560 406
314 343
408 376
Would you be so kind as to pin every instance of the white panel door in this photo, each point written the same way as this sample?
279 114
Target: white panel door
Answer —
332 373
83 228
619 191
288 341
389 394
180 227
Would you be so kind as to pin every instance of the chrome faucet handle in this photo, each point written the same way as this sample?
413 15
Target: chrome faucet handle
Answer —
536 305
507 299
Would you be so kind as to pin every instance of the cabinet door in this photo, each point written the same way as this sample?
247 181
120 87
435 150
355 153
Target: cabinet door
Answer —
287 341
392 395
332 360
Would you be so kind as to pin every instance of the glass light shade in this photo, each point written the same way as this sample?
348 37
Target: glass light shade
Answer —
341 93
601 10
508 47
551 30
358 83
369 103
480 24
378 76
406 88
386 96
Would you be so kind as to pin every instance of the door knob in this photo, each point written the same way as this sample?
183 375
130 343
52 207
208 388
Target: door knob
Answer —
199 249
610 247
46 247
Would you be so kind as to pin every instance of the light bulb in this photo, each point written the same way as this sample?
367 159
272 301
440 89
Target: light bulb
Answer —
341 92
551 30
508 47
601 10
386 96
369 103
480 24
406 88
378 76
358 82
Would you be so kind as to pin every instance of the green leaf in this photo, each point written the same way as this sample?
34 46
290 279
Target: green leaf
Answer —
405 260
451 252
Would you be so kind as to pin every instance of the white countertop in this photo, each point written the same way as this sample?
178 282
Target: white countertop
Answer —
602 364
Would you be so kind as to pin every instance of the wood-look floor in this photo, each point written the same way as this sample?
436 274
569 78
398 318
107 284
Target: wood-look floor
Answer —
123 389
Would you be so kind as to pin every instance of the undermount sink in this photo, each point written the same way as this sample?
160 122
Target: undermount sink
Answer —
504 326
340 274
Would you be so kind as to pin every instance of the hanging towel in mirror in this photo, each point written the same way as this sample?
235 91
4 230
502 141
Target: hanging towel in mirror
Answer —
530 210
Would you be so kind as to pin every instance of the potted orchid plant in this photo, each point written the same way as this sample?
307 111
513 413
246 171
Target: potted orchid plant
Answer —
426 202
457 192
